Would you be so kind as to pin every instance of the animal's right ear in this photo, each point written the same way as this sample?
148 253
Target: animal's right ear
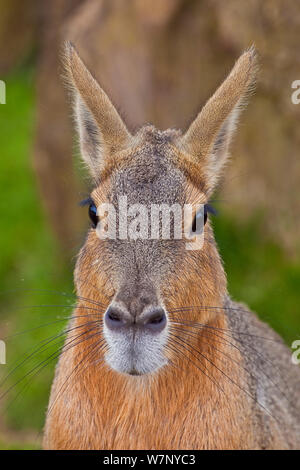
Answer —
101 130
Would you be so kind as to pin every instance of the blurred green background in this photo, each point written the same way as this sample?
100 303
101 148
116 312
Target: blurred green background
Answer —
42 227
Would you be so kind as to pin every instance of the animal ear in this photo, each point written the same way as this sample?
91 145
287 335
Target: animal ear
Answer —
101 130
207 140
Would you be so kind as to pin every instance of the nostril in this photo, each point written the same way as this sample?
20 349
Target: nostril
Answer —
156 320
114 318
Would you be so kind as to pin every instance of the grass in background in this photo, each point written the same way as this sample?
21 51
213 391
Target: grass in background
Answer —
259 273
29 261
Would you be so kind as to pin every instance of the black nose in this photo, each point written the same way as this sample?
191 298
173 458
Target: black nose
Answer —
154 320
114 318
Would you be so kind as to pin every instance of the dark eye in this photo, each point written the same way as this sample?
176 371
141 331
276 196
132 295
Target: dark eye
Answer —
93 214
199 214
207 208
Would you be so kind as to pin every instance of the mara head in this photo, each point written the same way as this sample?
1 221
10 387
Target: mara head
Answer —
144 282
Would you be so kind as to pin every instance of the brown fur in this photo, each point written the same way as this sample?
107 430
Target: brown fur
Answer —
205 397
144 412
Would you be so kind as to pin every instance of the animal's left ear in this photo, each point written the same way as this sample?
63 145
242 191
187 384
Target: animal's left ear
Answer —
207 140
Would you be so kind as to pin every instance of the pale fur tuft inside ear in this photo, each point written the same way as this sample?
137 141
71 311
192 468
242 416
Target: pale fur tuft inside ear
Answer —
89 137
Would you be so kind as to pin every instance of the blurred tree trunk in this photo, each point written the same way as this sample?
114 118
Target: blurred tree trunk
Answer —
18 22
53 147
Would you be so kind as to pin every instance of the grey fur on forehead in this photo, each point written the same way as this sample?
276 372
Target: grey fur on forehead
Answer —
151 134
151 176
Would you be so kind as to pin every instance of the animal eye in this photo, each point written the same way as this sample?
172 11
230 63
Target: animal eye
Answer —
93 214
199 215
207 208
92 210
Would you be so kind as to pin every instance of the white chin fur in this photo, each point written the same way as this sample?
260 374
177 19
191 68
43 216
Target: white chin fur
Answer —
137 354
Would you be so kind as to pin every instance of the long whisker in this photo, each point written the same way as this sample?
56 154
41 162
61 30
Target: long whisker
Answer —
258 366
63 388
227 330
55 292
72 316
226 376
41 366
195 335
45 342
95 349
231 334
177 351
182 345
61 350
193 307
85 282
258 354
